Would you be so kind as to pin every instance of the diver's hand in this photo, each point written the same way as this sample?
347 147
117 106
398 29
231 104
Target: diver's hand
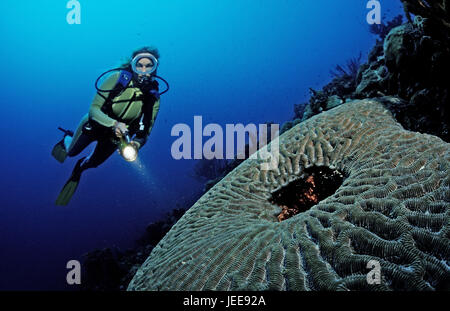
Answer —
120 129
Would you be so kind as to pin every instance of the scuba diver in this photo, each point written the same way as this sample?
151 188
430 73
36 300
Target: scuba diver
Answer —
126 105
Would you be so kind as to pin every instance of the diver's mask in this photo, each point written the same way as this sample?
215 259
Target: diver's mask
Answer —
144 77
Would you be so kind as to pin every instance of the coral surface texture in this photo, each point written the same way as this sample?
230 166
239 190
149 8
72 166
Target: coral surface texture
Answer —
392 208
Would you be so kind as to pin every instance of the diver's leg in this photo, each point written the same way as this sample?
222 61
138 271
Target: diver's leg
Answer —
80 140
104 149
78 144
70 186
71 146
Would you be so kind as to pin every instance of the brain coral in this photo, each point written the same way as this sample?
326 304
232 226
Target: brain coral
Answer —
392 207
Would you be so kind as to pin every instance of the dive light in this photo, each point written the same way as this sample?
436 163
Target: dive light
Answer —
128 150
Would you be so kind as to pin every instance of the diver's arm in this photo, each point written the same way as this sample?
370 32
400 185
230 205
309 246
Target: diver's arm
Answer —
149 120
95 112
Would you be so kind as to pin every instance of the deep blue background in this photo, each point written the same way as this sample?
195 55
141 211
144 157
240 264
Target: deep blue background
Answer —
231 61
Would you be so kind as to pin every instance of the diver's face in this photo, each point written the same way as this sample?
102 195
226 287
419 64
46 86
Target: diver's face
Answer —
144 65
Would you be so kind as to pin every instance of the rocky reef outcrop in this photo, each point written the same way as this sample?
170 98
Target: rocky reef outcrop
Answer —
111 269
412 63
436 10
392 206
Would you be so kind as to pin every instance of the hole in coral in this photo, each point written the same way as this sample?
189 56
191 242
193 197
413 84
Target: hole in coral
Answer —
316 184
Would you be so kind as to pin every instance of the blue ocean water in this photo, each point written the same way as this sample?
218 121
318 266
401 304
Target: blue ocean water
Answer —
234 61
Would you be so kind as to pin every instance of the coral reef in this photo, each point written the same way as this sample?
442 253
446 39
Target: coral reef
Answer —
339 90
315 184
412 64
299 110
392 207
418 63
382 30
437 10
351 69
111 269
